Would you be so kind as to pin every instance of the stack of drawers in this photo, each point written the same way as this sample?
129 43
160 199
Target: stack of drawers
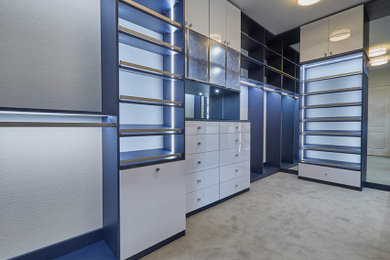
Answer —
217 161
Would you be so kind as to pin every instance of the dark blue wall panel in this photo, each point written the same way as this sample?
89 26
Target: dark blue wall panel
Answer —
256 117
274 114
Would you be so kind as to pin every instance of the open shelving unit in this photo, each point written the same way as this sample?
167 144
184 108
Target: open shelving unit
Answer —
333 114
143 78
270 68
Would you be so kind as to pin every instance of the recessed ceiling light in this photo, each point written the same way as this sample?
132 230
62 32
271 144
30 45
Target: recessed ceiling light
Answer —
307 2
375 52
379 61
340 35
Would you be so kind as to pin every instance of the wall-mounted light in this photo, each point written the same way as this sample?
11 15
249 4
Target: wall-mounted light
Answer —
375 52
307 2
200 94
340 35
217 91
379 61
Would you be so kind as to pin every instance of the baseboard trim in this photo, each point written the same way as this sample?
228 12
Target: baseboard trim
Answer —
215 203
62 248
331 183
157 246
289 171
376 186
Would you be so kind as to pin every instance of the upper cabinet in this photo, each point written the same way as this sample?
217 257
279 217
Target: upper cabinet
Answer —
218 11
197 16
233 27
339 33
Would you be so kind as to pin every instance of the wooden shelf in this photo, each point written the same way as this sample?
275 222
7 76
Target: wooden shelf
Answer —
350 104
331 163
332 148
145 42
148 71
333 76
334 133
331 91
147 156
149 101
146 17
131 130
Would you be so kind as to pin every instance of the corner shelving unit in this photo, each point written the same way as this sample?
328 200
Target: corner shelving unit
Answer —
333 114
143 79
271 70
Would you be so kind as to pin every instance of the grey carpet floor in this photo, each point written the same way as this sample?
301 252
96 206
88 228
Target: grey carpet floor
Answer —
286 218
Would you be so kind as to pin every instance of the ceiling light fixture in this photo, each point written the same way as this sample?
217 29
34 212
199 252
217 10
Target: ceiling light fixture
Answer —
340 35
379 61
375 52
307 2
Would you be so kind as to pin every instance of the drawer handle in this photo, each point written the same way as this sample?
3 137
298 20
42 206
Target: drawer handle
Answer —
236 127
199 143
236 155
198 199
199 127
199 162
236 170
158 169
199 181
236 140
326 174
236 185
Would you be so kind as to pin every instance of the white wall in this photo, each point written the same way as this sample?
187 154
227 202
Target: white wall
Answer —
50 178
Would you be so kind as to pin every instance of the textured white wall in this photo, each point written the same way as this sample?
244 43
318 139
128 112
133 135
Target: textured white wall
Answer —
50 186
50 54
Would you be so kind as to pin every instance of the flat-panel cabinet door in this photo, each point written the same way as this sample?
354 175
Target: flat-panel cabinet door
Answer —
197 16
233 27
218 20
314 40
353 20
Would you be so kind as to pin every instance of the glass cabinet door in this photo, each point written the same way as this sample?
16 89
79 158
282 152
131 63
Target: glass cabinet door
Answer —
217 63
233 67
197 56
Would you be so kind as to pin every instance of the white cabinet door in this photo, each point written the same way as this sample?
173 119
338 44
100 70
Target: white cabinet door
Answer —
197 16
233 27
353 20
146 194
218 20
314 40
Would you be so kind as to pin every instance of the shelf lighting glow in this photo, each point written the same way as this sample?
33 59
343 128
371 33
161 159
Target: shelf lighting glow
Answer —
172 86
307 2
340 35
375 52
379 61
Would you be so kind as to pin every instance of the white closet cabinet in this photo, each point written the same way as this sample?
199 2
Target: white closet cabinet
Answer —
314 40
218 18
352 19
233 27
315 37
197 16
152 206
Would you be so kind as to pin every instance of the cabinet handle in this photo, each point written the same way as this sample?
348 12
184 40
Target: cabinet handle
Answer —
228 43
199 143
158 169
199 127
331 53
185 23
236 170
236 185
199 162
326 174
236 140
325 54
236 127
236 155
198 199
199 181
190 25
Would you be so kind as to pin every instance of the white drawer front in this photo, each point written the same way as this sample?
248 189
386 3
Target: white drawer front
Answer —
201 143
232 171
245 127
201 198
201 128
245 139
233 186
234 155
229 127
201 161
159 187
340 176
199 180
229 141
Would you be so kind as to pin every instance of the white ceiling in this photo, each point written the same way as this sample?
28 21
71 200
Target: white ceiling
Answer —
279 16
